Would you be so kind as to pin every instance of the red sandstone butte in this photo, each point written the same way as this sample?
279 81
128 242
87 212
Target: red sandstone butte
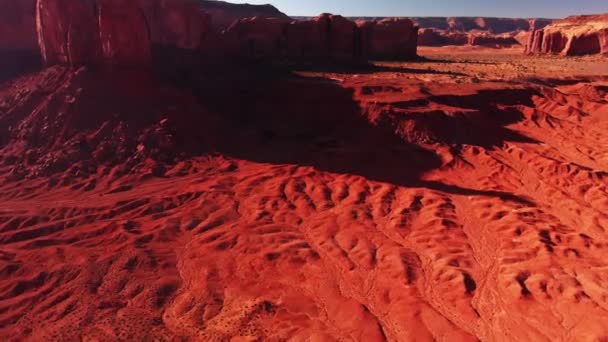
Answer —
123 33
254 37
394 39
572 36
116 32
307 39
67 31
327 37
176 23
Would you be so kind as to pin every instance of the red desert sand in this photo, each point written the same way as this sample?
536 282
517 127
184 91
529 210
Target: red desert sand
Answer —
459 197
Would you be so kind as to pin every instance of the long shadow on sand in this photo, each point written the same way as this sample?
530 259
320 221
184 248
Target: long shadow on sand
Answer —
281 118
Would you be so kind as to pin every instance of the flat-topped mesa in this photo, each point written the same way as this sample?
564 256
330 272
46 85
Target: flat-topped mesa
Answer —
572 36
325 37
433 37
395 39
176 23
123 33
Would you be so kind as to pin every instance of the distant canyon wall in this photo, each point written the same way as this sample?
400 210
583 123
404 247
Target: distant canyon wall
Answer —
572 36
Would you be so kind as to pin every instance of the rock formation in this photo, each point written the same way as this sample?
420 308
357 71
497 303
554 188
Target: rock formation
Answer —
120 33
116 32
177 23
325 37
67 32
254 37
389 39
92 32
433 37
573 36
123 33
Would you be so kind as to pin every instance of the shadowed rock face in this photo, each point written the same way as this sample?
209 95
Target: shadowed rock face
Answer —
109 32
67 31
432 37
115 32
573 36
389 39
120 33
325 37
178 23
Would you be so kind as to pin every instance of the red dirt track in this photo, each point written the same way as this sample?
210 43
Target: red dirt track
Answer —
460 198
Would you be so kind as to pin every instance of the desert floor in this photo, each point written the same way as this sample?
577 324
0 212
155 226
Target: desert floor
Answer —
460 198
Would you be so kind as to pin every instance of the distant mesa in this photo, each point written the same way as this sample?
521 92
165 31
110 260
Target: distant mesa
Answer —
223 14
572 36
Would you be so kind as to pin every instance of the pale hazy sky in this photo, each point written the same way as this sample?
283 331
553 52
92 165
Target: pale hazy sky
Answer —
495 8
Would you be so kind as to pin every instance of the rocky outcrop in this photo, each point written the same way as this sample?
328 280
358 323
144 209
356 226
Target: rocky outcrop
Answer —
92 32
573 36
325 37
253 37
308 38
116 32
432 37
67 32
491 40
394 39
123 33
176 23
224 14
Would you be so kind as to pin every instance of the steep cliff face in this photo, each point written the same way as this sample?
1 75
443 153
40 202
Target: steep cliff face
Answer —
432 37
67 32
573 36
177 23
389 39
123 33
116 32
325 37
